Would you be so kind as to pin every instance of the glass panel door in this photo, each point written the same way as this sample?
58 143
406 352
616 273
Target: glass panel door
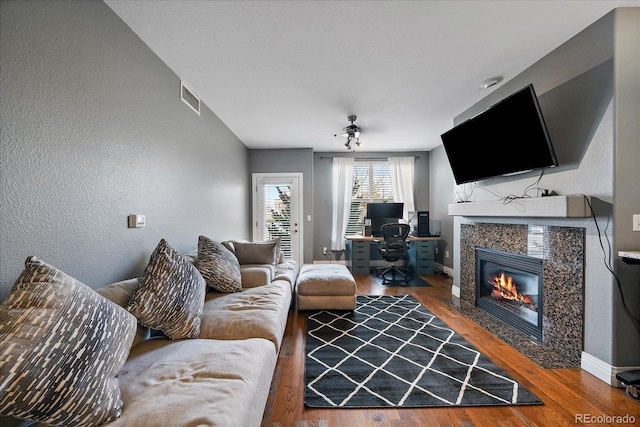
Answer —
276 212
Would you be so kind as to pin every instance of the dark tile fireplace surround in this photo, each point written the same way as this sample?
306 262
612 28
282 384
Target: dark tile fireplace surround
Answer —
561 251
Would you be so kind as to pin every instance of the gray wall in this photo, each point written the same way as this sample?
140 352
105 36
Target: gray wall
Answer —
291 161
322 169
93 129
588 90
626 197
440 188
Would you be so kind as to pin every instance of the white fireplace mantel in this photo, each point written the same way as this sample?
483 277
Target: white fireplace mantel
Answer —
574 206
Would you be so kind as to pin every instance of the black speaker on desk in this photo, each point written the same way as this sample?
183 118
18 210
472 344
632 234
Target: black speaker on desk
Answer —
423 224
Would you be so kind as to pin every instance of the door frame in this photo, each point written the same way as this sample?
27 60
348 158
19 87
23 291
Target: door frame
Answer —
296 179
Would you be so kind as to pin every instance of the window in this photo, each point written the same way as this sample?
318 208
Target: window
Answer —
274 216
371 183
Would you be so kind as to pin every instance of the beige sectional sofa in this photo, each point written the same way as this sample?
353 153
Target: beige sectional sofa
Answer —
222 377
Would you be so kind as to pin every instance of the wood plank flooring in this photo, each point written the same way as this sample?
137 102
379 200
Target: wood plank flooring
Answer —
569 395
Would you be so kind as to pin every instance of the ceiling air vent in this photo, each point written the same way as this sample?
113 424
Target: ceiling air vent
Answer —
189 98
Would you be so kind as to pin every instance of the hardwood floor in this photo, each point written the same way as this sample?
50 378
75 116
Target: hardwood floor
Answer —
570 396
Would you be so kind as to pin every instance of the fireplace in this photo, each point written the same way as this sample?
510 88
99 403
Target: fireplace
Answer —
560 250
509 287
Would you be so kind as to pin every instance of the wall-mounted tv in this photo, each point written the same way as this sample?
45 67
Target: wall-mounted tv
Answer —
510 137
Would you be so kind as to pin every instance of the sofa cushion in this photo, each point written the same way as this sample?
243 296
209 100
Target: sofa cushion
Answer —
170 295
256 275
218 265
259 312
197 383
120 293
256 252
62 346
229 244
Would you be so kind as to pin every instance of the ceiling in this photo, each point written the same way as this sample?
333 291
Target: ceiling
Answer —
286 74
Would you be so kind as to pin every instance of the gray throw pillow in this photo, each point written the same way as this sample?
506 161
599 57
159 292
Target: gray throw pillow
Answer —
62 347
218 265
256 252
170 296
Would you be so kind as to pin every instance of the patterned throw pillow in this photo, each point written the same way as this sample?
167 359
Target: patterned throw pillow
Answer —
170 295
218 266
62 346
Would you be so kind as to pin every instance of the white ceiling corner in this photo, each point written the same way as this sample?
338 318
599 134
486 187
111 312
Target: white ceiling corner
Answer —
286 74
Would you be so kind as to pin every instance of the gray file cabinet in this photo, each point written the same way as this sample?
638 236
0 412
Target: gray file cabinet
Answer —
358 256
422 257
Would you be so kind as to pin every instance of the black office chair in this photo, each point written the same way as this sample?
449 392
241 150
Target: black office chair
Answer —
393 249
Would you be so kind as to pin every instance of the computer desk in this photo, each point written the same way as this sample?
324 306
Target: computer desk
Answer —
420 255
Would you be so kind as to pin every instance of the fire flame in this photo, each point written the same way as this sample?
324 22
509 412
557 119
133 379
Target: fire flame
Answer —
504 287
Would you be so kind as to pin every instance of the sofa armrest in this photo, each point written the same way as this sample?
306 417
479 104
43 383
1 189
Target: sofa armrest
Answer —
287 271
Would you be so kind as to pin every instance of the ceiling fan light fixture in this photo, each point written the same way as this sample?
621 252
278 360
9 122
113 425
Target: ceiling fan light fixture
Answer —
352 132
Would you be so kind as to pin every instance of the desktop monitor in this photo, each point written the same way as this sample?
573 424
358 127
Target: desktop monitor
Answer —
377 223
383 213
385 210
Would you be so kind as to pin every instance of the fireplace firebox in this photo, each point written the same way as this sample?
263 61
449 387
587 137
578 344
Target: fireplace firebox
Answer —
509 287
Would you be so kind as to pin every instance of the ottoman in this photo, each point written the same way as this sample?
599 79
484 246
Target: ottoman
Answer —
325 287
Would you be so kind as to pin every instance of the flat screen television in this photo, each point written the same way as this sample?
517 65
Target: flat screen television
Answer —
384 210
510 137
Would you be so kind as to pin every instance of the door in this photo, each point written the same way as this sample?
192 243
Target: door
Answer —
277 211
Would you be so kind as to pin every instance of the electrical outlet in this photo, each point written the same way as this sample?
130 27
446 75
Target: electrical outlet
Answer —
324 250
446 254
636 222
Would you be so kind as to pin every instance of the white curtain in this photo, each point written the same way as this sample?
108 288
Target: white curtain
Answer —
401 174
341 198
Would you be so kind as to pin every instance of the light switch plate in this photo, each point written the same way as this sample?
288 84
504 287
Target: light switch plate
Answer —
636 222
137 220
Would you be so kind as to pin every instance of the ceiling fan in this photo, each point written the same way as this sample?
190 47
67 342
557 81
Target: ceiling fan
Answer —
352 133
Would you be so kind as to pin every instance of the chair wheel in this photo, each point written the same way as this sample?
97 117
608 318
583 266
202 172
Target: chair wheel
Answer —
633 392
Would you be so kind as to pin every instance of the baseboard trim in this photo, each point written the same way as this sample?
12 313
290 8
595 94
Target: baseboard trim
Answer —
455 291
448 271
442 268
602 370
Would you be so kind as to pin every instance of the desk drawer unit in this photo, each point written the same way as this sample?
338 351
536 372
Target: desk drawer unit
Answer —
360 257
423 257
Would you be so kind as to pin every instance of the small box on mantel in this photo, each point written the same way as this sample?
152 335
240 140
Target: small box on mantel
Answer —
630 257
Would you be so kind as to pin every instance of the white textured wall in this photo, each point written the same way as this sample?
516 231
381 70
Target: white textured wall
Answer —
93 129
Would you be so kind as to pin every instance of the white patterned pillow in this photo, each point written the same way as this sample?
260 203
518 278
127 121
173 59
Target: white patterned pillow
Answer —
170 295
218 265
62 347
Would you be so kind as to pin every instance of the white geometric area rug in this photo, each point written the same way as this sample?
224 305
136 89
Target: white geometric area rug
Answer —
392 352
